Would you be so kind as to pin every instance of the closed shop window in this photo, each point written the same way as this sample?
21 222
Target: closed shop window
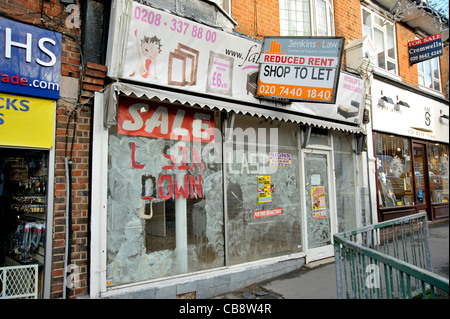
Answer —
438 172
345 180
165 194
262 190
394 171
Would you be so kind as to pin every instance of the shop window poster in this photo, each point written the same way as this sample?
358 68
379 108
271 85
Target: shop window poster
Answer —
264 189
318 202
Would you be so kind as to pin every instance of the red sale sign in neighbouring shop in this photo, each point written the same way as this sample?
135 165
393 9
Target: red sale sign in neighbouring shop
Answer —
161 120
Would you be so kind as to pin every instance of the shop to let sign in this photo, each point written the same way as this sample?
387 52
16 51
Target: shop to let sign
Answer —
300 68
26 121
425 48
30 60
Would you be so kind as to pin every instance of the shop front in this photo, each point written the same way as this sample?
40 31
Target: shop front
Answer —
412 155
26 154
29 86
202 188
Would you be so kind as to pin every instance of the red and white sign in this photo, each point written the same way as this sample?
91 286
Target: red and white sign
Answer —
162 120
267 213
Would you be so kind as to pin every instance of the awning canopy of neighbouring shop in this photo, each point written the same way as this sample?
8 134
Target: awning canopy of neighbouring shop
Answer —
116 88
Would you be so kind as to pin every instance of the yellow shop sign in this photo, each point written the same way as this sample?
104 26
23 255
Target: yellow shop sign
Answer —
26 121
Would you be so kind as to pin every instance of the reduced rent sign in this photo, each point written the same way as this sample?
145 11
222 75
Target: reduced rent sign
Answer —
300 68
425 48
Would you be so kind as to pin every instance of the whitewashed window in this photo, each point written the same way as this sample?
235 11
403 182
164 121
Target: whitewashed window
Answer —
306 18
382 32
429 74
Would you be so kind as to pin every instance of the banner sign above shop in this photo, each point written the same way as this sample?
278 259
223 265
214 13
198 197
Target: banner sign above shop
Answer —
425 48
30 60
150 46
300 68
26 121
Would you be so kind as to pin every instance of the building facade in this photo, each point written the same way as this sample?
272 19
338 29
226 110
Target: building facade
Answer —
409 106
176 179
203 187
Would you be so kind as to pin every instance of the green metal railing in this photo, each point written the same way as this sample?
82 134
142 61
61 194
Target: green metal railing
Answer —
391 259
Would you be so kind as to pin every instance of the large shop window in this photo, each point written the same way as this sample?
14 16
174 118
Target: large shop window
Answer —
438 166
394 171
165 192
262 182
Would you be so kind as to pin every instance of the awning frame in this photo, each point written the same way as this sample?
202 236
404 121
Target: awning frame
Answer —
116 88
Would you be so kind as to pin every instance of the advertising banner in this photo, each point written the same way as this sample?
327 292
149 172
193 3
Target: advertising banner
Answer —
425 48
300 68
26 121
150 46
165 49
30 60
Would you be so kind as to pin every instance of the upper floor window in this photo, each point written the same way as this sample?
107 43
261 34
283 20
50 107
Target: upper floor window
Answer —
306 18
429 75
382 33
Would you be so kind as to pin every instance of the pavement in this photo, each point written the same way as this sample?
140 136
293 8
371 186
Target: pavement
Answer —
317 280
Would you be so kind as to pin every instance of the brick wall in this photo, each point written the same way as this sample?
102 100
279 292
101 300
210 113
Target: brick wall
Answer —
444 62
266 21
407 72
51 15
348 20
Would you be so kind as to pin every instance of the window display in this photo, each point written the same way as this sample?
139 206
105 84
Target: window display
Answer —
394 171
23 206
438 166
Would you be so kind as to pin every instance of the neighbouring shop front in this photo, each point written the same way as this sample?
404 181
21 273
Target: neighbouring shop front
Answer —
29 86
201 187
412 152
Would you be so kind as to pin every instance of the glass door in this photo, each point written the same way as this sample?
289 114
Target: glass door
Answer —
319 204
420 178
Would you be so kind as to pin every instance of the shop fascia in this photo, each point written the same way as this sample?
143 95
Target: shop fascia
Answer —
399 111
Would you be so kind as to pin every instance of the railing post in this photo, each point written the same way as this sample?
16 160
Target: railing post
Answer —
338 266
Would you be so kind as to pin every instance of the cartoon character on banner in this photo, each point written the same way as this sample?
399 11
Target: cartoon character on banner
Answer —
148 50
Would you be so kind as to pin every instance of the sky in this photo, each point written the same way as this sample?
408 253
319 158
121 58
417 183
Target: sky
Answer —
440 5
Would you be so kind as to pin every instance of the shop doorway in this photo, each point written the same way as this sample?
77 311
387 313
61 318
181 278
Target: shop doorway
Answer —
23 221
421 178
320 212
